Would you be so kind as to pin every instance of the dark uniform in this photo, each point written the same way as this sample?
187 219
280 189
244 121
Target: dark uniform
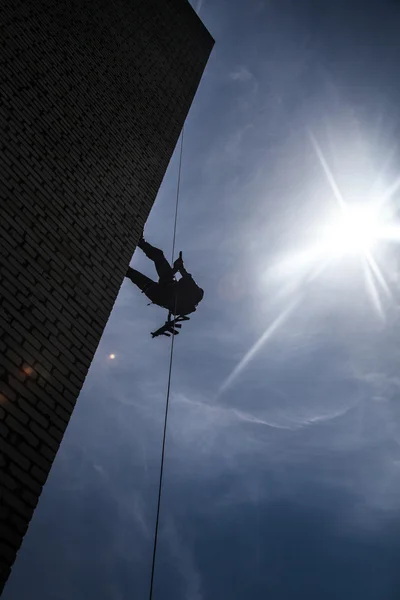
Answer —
179 297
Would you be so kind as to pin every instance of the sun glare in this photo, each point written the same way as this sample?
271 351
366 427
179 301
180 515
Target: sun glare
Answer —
356 231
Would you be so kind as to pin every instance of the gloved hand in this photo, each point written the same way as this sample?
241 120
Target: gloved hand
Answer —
178 264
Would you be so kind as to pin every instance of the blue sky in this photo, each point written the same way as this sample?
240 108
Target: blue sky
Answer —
282 474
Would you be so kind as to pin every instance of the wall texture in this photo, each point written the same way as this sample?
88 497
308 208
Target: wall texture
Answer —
93 96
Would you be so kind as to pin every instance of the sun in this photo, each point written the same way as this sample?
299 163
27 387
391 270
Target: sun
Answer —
356 230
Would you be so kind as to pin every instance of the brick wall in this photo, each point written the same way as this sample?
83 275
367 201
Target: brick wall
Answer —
93 96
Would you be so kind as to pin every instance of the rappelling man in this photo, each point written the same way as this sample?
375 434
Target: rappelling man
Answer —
179 296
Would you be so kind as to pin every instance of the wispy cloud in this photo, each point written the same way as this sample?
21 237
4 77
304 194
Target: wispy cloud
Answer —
241 74
199 6
203 413
232 148
182 552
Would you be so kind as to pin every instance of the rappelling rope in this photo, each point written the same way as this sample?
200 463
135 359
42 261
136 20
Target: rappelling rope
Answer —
168 386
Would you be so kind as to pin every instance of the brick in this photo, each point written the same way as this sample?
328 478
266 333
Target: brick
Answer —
19 524
13 409
11 310
61 342
16 359
15 455
8 481
31 342
39 474
47 452
24 478
64 399
11 368
39 393
28 369
42 370
22 429
56 363
34 456
31 412
56 420
56 433
75 380
56 384
9 536
69 360
29 498
59 377
7 392
13 502
4 430
45 409
22 330
43 435
64 415
11 298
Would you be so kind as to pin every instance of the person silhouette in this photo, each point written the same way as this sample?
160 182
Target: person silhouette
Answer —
179 297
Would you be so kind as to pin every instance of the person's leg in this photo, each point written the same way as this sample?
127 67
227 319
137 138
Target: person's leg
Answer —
154 291
142 281
163 268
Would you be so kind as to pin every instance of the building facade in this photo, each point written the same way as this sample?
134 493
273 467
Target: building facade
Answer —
93 98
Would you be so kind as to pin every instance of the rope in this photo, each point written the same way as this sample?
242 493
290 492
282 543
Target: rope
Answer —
168 387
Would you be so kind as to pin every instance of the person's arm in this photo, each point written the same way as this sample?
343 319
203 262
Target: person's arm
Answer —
178 266
183 272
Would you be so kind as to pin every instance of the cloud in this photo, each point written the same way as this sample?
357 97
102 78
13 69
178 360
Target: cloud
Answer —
232 149
199 6
181 551
203 414
241 74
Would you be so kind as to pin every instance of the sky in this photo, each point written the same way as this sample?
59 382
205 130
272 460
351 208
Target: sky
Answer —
282 470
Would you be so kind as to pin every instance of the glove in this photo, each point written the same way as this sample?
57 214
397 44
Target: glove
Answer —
178 264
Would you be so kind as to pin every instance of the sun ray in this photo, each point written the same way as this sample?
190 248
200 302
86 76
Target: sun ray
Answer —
329 175
275 325
391 190
378 274
381 174
372 291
